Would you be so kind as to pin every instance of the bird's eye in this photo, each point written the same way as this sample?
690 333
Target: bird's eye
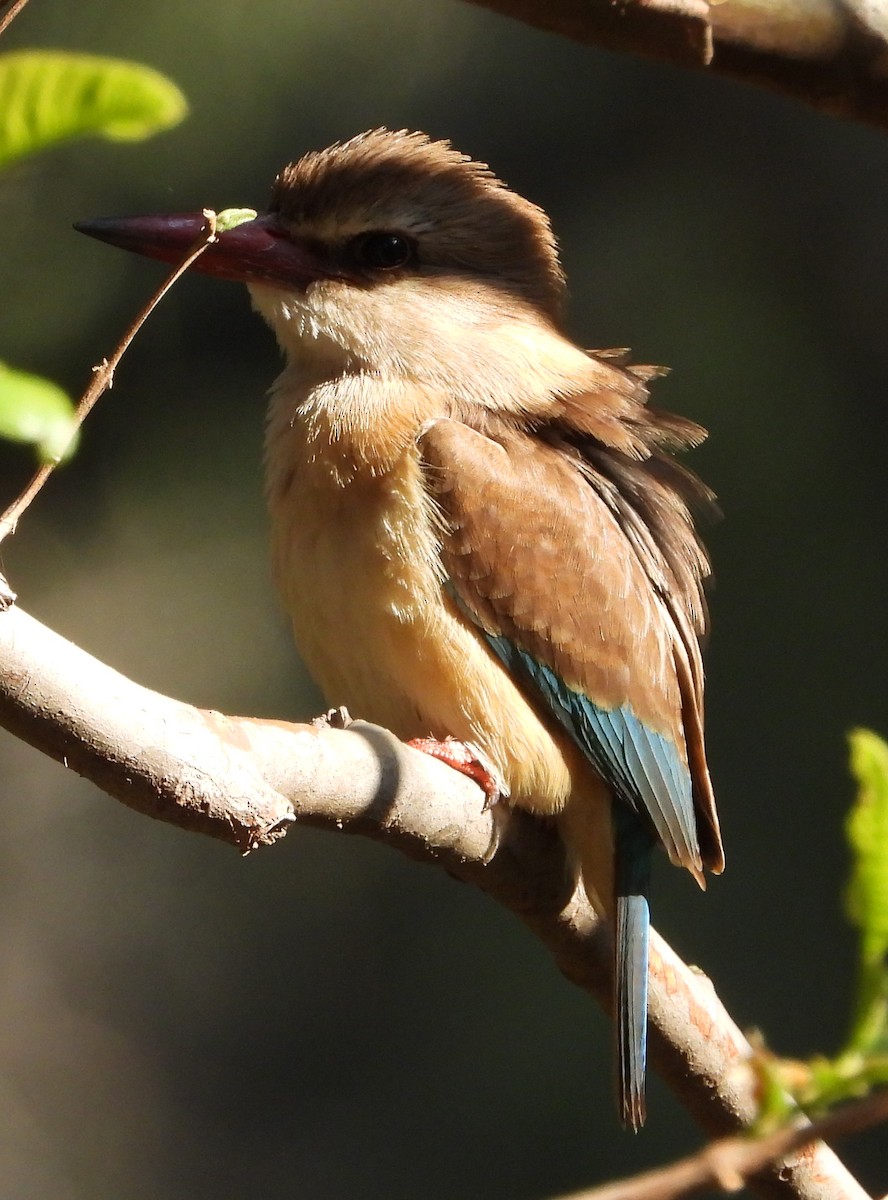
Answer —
383 251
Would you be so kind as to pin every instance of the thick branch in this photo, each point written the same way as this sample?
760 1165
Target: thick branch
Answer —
830 53
246 781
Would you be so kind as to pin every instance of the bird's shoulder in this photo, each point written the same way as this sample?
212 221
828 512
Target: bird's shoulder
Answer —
596 457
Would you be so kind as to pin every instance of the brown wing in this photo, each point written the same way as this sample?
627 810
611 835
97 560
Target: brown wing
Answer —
539 555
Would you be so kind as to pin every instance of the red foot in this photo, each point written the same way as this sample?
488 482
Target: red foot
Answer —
468 760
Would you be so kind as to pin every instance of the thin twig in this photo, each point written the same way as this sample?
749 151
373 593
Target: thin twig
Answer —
7 20
727 1164
103 376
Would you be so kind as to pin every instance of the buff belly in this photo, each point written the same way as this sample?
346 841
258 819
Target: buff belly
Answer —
357 567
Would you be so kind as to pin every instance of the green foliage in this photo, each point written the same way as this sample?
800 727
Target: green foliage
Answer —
862 1064
36 410
47 97
867 829
867 895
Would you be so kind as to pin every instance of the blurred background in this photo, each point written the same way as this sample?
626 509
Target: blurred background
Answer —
326 1019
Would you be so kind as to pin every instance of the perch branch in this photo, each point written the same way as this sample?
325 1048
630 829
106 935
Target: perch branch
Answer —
247 781
831 54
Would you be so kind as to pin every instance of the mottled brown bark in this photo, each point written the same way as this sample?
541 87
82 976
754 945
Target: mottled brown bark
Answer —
831 54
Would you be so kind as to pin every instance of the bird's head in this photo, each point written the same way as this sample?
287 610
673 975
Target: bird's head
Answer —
375 243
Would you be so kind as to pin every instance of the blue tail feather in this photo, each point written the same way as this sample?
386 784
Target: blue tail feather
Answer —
632 925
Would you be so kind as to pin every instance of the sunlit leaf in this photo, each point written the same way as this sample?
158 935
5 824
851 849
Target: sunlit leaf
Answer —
867 895
230 218
38 411
48 97
867 828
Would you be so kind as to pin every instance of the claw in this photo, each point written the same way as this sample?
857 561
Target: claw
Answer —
333 718
468 759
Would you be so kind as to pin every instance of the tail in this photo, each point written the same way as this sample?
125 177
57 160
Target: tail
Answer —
631 928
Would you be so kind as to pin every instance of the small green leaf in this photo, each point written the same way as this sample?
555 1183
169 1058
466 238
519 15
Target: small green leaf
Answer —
230 218
36 410
48 97
866 899
867 830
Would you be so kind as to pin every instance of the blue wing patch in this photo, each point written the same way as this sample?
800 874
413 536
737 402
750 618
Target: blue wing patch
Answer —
643 767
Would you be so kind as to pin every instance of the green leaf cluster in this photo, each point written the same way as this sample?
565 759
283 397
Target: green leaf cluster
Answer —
48 97
862 1063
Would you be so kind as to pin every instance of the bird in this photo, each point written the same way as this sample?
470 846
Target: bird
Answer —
480 532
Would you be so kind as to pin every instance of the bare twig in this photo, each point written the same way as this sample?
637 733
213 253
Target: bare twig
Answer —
103 377
246 781
728 1164
8 17
829 53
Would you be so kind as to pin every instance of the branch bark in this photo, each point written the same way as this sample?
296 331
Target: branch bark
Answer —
831 54
247 781
728 1164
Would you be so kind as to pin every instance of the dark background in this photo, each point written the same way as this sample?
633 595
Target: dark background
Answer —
325 1019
